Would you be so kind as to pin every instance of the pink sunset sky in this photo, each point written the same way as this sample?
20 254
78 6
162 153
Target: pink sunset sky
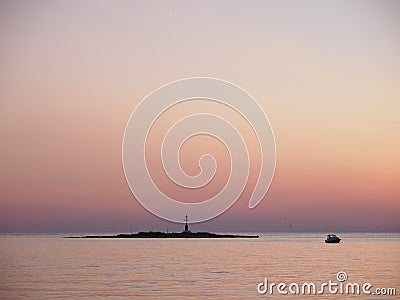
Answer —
327 74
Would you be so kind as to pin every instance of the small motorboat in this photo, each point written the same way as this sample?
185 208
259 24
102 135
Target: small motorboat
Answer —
332 238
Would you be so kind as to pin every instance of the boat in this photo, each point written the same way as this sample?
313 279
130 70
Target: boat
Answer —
332 238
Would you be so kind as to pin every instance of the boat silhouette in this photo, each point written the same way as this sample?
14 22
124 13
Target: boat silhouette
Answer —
332 239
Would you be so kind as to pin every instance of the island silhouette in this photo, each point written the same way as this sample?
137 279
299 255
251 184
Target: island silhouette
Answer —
186 233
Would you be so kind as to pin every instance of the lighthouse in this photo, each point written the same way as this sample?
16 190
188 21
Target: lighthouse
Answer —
186 226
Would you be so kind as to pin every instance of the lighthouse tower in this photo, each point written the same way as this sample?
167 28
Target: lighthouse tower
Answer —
187 226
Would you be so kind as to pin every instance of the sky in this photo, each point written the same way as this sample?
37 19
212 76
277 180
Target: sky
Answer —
327 75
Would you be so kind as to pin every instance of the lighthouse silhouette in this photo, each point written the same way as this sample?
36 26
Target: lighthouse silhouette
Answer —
186 225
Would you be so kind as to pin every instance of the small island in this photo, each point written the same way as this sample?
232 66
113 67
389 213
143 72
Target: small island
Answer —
174 235
170 235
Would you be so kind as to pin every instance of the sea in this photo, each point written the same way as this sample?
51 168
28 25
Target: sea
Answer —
274 266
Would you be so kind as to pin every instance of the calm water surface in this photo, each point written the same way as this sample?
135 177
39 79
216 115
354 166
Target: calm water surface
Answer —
53 267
